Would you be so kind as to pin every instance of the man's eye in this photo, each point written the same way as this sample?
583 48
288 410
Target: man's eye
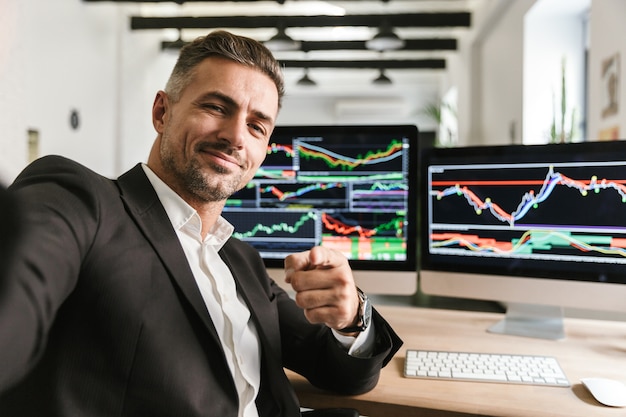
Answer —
257 128
213 107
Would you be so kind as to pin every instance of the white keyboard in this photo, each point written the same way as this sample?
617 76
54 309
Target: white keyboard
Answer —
484 367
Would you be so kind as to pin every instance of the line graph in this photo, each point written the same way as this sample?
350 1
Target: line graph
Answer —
358 177
529 211
530 200
275 148
288 227
299 191
381 188
367 236
314 157
275 174
278 163
365 226
535 241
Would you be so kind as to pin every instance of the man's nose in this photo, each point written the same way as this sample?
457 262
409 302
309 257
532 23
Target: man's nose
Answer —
234 131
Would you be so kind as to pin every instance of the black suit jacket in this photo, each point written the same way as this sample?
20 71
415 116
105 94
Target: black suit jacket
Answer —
102 315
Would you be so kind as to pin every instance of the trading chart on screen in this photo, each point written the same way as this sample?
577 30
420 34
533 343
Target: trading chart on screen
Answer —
564 211
343 190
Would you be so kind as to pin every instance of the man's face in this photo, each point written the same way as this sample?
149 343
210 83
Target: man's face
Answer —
215 137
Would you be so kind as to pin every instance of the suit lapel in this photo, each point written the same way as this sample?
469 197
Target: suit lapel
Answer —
276 397
145 208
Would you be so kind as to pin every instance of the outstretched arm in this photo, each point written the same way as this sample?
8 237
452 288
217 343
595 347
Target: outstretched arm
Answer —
326 292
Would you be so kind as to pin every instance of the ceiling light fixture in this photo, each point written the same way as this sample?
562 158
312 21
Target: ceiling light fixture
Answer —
282 42
306 80
382 79
385 39
174 45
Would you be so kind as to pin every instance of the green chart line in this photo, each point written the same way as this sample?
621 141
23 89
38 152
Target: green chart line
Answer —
280 227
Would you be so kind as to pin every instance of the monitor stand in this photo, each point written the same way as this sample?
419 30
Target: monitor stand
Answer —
538 321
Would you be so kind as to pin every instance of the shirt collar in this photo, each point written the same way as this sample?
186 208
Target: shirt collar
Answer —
181 214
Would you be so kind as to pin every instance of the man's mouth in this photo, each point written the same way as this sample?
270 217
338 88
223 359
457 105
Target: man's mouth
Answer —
220 156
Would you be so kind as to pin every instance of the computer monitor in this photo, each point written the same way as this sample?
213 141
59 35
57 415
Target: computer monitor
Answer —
350 188
537 227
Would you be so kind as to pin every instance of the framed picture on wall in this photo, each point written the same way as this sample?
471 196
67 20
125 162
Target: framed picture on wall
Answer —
610 83
610 133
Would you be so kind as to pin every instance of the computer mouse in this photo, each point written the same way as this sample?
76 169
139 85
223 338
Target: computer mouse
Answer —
607 391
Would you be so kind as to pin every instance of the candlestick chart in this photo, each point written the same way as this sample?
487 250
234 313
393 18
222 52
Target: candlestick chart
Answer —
563 211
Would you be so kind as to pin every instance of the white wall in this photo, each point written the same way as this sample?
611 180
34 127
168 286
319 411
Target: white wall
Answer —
361 102
59 57
491 99
607 39
144 70
495 108
12 89
553 31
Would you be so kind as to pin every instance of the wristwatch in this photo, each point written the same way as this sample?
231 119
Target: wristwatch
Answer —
364 315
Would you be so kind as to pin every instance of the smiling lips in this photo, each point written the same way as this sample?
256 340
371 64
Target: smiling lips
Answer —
220 152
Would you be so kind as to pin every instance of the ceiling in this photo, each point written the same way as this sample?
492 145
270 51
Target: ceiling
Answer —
333 34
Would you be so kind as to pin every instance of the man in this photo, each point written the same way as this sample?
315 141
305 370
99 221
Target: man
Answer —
9 229
130 298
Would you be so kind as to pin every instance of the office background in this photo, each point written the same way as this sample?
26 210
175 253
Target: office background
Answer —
77 77
73 61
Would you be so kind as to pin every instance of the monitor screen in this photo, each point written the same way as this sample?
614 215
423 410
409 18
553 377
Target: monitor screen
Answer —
350 188
494 215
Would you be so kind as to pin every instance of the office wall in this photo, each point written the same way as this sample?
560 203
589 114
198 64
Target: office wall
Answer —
553 39
67 55
144 70
12 98
491 107
607 42
57 57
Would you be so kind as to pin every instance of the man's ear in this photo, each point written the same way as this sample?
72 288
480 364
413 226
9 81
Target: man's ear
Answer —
159 111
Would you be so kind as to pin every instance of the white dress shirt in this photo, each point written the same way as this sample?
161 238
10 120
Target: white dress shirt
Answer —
227 309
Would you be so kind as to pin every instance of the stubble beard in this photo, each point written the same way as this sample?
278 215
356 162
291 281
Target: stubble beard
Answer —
206 185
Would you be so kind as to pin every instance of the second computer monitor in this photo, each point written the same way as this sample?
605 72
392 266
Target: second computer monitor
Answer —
536 226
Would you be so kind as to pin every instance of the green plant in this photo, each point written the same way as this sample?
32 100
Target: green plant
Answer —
558 131
434 112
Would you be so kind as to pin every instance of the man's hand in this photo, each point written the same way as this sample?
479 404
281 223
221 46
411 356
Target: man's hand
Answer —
324 286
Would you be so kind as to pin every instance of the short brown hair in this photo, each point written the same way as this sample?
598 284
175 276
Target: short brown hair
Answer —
243 50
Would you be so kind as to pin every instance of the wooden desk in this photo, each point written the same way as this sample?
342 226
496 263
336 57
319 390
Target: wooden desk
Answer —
591 348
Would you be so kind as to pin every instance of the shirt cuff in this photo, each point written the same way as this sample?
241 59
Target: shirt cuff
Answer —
361 346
